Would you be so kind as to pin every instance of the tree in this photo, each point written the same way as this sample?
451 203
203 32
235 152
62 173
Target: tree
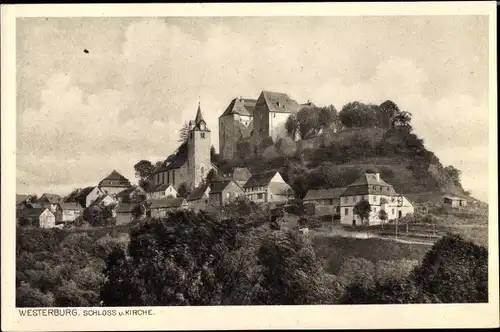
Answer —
143 169
453 174
402 120
291 274
291 126
388 110
357 114
183 190
184 133
454 271
363 209
214 156
382 215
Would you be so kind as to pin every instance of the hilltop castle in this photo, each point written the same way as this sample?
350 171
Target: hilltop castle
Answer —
253 120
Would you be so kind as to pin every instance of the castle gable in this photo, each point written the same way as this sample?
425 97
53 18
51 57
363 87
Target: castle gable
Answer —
280 102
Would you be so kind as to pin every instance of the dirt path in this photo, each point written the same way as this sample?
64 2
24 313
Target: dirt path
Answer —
368 235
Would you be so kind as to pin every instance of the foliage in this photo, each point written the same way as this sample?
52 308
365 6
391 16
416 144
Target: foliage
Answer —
183 190
143 169
184 133
61 267
291 274
357 114
362 209
382 215
453 271
309 121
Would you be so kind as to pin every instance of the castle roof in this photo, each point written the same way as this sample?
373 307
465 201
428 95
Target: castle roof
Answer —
241 106
280 102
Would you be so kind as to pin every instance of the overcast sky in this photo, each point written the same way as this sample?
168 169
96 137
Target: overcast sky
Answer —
81 115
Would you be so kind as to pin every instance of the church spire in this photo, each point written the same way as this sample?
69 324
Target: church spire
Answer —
199 117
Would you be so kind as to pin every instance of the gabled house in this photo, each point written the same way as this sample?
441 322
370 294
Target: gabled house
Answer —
223 192
132 194
198 198
160 207
41 217
381 196
26 202
68 211
163 190
268 187
325 201
114 183
49 201
455 201
85 197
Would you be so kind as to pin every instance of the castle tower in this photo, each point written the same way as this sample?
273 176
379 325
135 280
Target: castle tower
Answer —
199 163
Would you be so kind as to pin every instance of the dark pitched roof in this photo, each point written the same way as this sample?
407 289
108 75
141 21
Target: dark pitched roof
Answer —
280 102
115 176
21 198
241 106
79 196
51 198
369 184
126 192
176 160
260 179
99 200
167 203
241 174
70 206
219 186
30 213
330 193
197 193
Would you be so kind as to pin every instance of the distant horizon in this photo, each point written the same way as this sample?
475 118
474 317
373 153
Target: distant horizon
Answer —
82 114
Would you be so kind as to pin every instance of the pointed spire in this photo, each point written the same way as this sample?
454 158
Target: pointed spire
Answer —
199 117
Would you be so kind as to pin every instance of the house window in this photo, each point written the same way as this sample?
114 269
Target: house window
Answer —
202 135
346 212
374 198
191 135
260 196
393 211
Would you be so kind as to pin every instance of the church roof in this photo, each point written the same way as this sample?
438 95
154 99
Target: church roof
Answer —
199 119
241 106
280 102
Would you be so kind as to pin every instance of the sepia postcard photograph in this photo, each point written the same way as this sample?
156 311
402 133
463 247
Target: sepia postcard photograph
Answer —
235 166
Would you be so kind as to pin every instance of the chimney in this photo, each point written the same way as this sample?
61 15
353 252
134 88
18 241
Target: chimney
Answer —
377 175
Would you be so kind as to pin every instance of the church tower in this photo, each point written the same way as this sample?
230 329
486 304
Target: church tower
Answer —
199 163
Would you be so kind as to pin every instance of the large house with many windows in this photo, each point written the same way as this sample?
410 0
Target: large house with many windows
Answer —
379 194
